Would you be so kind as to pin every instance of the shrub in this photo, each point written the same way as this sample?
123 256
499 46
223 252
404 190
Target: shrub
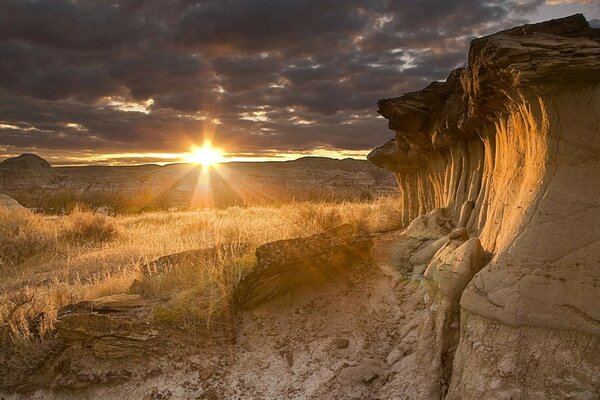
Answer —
62 201
390 213
86 226
312 218
26 338
23 235
197 295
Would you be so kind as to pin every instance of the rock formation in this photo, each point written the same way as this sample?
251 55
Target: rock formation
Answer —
200 257
513 141
9 203
286 265
111 326
25 171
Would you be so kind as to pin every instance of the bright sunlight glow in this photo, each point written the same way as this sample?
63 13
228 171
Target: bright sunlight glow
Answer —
205 155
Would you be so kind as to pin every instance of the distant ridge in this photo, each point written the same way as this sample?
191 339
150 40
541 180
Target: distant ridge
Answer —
32 180
26 161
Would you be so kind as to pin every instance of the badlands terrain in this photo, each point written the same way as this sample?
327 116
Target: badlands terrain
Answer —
481 281
35 183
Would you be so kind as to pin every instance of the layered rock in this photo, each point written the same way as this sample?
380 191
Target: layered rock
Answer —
513 141
287 265
111 326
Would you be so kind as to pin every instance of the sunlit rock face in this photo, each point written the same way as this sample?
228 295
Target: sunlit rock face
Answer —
517 133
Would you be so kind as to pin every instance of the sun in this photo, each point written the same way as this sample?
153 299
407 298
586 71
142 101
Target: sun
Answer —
205 155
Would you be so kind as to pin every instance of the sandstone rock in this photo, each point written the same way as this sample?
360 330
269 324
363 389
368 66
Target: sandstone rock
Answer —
398 353
157 394
465 214
206 373
111 326
117 302
106 304
287 265
430 226
448 273
425 253
506 132
454 265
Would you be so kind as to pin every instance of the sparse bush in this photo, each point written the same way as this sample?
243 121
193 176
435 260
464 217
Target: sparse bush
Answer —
63 201
86 226
196 308
313 218
21 354
360 217
26 339
23 235
197 295
390 213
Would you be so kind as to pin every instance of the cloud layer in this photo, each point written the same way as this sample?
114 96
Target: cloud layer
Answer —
83 78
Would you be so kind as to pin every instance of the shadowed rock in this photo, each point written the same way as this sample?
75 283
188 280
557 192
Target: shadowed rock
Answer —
106 304
285 265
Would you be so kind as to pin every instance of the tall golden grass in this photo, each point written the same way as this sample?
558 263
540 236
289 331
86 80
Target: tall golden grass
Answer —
47 262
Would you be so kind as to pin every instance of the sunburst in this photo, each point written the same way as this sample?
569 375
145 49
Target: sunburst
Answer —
207 155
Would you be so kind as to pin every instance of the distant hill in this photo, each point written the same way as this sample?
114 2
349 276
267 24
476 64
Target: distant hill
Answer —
35 183
26 171
9 203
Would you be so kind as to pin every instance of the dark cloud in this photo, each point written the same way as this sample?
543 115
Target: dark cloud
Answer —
264 25
135 76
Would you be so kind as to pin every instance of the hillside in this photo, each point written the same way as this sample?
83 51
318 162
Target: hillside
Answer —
32 181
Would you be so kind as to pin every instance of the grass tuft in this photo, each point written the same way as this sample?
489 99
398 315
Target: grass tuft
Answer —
23 235
88 227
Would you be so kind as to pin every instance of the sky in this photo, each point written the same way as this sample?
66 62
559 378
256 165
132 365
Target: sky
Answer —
140 81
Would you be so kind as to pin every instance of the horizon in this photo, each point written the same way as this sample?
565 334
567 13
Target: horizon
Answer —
183 162
145 84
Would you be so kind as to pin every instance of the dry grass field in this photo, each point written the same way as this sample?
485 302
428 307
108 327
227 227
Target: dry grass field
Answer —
50 261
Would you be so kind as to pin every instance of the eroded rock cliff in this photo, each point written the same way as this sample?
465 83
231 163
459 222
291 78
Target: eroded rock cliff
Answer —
515 139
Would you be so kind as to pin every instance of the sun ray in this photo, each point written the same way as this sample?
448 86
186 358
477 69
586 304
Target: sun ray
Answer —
207 155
